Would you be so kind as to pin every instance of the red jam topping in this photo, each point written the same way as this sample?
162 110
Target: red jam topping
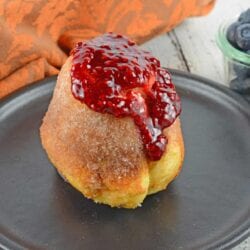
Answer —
110 74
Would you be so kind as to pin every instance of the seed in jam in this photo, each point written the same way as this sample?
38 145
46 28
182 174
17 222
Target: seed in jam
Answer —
110 74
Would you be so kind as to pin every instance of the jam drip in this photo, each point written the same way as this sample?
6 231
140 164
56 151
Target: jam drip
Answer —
110 74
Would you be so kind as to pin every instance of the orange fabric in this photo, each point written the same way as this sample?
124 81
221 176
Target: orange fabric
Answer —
37 35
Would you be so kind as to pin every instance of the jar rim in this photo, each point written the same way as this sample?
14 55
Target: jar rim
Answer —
228 49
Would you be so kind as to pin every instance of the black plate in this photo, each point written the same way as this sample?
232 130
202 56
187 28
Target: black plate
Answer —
206 207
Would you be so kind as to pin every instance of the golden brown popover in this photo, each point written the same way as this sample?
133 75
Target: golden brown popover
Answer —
103 156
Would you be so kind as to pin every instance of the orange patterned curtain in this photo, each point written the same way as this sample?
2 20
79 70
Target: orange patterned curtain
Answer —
37 35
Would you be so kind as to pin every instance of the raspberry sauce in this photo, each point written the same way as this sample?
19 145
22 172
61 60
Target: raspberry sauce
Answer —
110 74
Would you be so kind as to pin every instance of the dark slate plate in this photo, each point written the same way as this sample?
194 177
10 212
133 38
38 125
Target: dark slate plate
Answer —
207 206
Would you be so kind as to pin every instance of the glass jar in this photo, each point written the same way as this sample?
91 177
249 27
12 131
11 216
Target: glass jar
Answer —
236 62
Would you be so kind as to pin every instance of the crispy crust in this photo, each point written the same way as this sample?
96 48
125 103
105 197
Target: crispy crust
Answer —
100 155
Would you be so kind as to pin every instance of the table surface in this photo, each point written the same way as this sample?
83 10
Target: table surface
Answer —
176 48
